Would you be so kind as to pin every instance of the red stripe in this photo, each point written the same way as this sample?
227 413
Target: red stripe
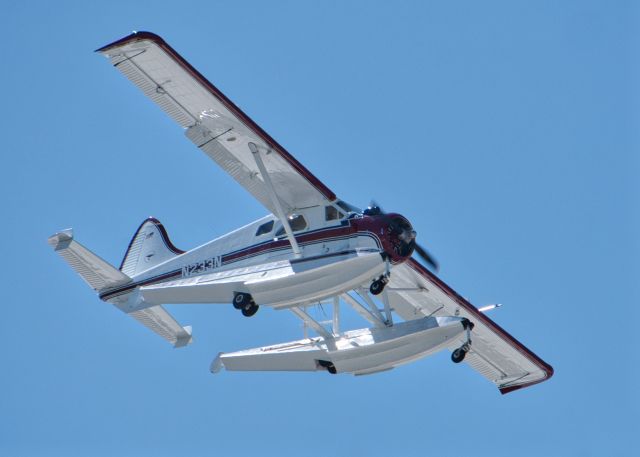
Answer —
146 282
255 250
311 237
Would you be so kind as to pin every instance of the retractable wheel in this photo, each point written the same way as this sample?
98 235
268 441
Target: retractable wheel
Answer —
457 356
250 310
376 287
331 368
241 300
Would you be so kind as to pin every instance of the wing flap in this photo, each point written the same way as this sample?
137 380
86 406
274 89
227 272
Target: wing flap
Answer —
236 163
415 292
213 122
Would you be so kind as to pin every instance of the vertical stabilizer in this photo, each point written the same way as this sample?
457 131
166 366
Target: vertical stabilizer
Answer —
150 246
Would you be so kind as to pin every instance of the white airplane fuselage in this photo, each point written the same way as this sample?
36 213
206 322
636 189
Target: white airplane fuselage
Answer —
336 256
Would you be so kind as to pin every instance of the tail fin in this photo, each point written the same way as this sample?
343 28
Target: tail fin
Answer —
149 247
95 271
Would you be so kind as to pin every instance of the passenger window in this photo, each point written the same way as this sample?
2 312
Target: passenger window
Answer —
265 228
331 213
297 223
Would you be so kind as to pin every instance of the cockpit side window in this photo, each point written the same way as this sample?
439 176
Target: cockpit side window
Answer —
265 228
331 213
297 223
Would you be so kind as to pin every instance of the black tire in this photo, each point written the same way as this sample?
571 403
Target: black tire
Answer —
331 368
241 300
457 356
250 311
376 287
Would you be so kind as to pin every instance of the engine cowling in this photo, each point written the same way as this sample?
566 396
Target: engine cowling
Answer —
395 233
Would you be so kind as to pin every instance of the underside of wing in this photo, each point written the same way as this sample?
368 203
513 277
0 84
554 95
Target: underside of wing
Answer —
414 292
214 123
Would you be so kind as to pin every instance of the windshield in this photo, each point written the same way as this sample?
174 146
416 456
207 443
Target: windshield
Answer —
347 207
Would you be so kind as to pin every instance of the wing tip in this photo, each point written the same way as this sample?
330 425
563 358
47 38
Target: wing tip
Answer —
133 36
57 239
548 373
545 368
217 364
185 337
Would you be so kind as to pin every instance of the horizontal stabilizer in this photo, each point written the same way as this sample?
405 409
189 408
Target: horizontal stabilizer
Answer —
157 319
98 273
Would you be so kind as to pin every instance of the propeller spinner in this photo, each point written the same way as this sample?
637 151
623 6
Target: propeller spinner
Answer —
402 235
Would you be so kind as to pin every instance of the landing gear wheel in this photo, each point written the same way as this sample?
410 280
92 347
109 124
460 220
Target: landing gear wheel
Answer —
250 310
331 368
457 356
241 300
376 287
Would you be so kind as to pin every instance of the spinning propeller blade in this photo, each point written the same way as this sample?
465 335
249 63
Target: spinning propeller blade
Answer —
428 258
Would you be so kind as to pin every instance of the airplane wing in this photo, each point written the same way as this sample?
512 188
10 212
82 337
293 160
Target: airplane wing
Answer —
414 292
213 122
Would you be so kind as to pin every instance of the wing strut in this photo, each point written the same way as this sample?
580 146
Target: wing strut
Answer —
372 306
336 316
363 311
274 198
311 321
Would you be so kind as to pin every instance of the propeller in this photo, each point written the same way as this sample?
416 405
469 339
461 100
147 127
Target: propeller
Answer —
428 258
406 235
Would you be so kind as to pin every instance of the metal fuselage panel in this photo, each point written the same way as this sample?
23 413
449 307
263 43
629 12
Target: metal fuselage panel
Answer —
243 249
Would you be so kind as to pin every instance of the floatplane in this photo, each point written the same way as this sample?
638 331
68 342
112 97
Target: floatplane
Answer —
312 249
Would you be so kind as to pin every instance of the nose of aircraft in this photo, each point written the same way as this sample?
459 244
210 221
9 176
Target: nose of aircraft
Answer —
401 235
398 236
394 232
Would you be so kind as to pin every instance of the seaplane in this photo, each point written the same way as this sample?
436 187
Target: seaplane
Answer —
312 249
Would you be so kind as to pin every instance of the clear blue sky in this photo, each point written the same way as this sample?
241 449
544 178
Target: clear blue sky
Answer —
506 131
